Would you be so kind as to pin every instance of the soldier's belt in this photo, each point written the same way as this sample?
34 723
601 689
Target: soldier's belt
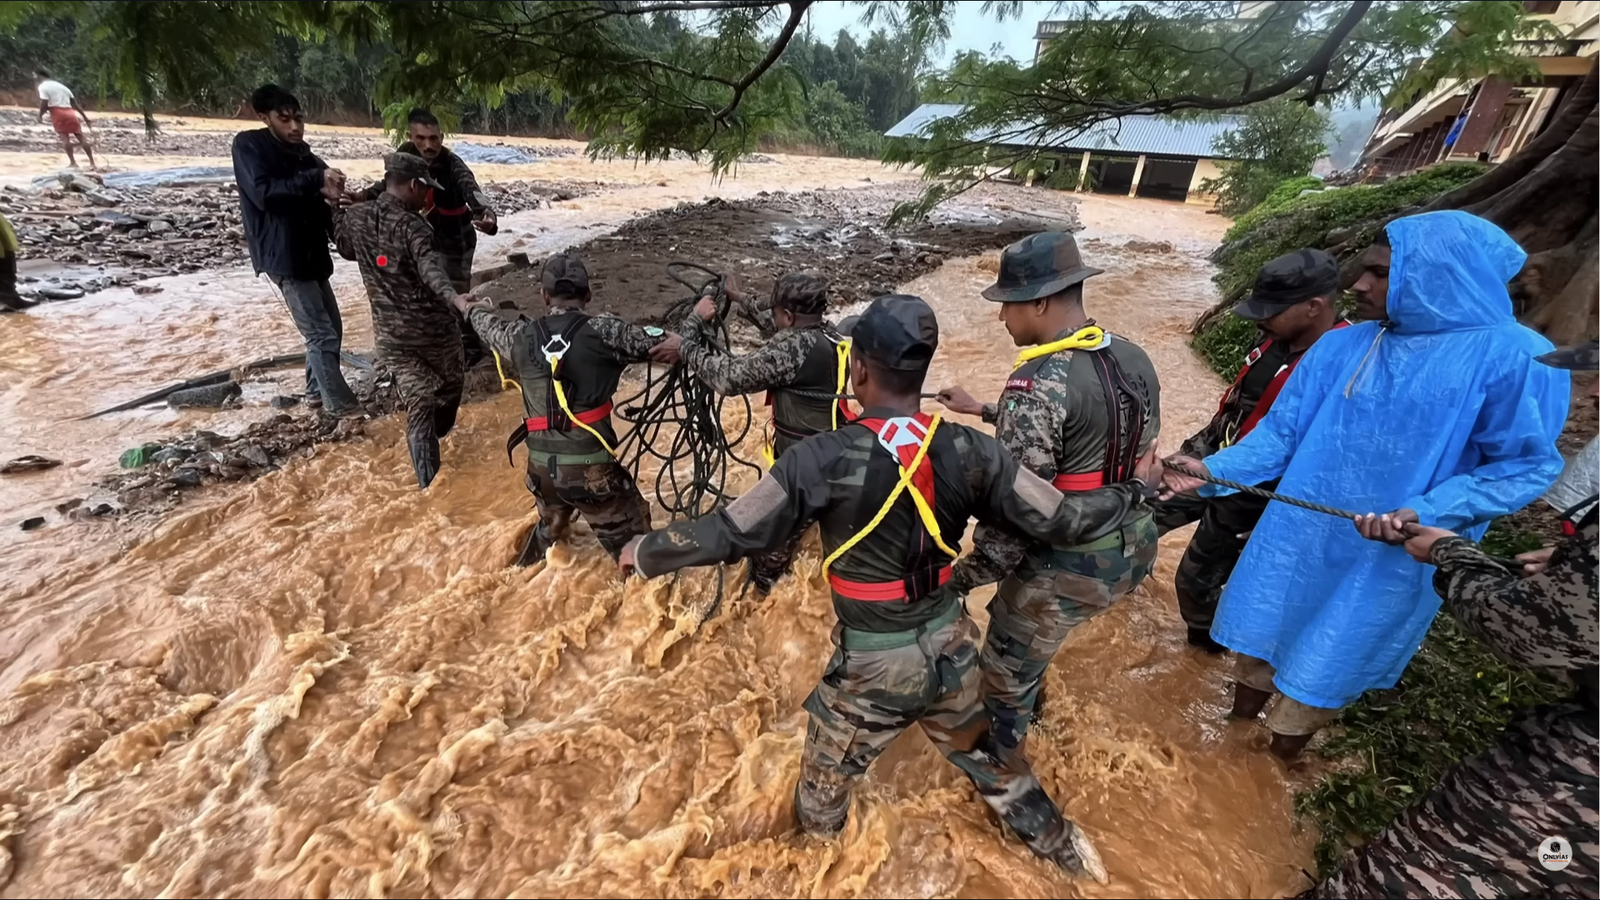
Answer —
853 639
1117 539
877 591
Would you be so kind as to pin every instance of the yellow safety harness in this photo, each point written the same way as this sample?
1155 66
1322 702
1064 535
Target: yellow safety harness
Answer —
553 355
1086 338
842 355
923 509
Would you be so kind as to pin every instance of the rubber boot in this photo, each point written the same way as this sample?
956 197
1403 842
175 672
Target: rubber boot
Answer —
1248 701
1288 747
425 462
1200 639
534 548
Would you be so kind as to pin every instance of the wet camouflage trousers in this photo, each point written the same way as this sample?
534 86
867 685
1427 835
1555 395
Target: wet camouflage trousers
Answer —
1033 612
457 245
867 697
1480 829
429 382
1213 550
604 493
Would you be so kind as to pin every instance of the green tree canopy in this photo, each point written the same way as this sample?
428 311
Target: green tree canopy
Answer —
1279 140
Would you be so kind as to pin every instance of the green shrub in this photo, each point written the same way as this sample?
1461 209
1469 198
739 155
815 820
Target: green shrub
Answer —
1281 196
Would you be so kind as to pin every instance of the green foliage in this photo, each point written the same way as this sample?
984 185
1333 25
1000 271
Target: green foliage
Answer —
1307 222
1278 140
1285 193
1452 701
1505 539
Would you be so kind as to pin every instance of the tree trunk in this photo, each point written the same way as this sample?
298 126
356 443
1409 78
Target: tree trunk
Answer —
1544 197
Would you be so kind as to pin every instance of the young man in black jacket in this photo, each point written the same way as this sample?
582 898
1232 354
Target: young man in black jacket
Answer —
284 196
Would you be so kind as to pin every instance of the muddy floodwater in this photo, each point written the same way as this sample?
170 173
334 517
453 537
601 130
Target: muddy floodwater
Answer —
324 683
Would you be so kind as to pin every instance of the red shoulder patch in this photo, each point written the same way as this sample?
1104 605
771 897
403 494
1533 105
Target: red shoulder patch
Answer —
1019 384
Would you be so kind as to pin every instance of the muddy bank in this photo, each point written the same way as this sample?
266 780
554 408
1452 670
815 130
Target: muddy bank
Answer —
119 236
837 232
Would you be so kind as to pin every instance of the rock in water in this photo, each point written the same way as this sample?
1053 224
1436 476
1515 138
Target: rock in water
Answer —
284 401
211 396
32 523
159 225
28 464
61 293
186 478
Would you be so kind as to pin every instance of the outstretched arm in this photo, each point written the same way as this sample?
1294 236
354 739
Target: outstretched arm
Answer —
1550 620
775 364
793 493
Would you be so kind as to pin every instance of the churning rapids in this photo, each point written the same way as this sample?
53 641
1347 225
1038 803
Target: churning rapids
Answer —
327 684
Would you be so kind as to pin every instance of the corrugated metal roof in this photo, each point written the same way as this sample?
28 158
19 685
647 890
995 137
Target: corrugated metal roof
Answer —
1161 135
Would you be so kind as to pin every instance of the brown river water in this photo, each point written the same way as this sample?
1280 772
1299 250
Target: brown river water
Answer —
327 684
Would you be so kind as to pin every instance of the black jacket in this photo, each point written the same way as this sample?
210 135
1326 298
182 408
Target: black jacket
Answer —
286 220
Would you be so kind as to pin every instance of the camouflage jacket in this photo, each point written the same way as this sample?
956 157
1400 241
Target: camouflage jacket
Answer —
775 364
1549 621
826 478
1054 421
406 282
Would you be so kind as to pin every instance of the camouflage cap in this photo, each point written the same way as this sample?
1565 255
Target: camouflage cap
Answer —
1582 358
1037 266
898 330
565 275
805 293
409 165
1291 279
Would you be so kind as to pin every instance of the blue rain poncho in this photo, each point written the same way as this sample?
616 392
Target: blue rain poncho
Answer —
1443 410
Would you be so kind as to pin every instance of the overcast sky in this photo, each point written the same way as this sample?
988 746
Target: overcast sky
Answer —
970 28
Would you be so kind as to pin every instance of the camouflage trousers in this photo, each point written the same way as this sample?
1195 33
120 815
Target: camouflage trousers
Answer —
457 245
429 381
1213 550
871 692
604 493
1480 831
1033 612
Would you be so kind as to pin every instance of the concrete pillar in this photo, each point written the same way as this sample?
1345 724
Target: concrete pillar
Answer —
1138 172
1083 173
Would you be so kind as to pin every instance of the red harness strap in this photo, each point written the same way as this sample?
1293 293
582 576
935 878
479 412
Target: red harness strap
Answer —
1083 481
922 483
877 591
1272 389
598 414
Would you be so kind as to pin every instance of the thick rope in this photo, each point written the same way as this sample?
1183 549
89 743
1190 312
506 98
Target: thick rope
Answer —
1514 565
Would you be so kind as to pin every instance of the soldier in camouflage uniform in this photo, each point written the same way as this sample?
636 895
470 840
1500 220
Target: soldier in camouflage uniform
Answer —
1483 829
798 367
456 208
568 364
1079 410
1295 302
905 648
412 304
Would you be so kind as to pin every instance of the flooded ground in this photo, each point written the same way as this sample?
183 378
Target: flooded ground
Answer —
327 684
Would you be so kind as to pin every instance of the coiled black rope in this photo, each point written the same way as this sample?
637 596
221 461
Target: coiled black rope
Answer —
681 412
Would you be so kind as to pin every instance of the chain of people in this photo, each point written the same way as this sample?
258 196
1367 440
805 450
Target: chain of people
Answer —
1433 413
